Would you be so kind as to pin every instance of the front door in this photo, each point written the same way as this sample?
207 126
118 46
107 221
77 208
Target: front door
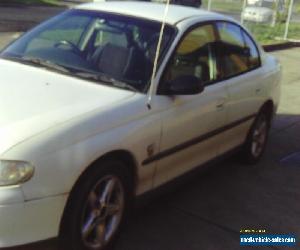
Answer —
191 123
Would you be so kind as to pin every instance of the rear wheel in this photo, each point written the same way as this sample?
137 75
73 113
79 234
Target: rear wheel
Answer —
257 139
97 208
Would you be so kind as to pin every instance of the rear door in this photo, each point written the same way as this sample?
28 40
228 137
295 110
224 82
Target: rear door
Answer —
241 71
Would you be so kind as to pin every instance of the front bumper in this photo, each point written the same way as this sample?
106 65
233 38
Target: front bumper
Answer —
23 222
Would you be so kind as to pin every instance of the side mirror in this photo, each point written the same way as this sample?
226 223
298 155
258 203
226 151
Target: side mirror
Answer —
184 85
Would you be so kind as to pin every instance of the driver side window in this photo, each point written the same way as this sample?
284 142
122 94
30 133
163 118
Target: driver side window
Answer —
194 56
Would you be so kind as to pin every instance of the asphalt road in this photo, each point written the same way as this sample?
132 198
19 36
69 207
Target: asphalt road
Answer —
18 17
209 210
22 18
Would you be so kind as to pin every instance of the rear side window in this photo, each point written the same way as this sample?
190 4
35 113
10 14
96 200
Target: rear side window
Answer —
232 53
237 52
253 58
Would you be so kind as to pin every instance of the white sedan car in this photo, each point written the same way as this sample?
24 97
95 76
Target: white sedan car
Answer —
257 14
84 129
263 11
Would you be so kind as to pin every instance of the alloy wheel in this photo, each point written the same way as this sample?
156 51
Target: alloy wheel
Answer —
259 137
103 212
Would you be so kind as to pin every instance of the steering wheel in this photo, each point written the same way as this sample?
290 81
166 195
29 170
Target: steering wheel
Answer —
69 44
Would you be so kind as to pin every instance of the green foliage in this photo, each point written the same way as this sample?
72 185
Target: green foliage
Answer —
269 35
297 7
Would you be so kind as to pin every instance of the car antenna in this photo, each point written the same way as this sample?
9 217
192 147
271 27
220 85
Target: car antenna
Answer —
151 89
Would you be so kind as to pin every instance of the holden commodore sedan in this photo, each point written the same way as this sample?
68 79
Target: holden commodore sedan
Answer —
86 127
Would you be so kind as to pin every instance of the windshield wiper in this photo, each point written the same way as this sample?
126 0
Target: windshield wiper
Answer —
40 63
45 64
98 77
123 85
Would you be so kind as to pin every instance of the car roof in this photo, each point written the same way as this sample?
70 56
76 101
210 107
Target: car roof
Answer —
152 11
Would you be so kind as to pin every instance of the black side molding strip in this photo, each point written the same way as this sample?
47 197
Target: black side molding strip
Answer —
196 140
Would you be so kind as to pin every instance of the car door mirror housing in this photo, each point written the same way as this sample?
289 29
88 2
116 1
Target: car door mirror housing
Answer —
184 85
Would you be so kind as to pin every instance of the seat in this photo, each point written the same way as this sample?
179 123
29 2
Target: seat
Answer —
138 68
111 60
120 62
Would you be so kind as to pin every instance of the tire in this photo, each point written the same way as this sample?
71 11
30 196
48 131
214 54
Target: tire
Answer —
97 208
257 138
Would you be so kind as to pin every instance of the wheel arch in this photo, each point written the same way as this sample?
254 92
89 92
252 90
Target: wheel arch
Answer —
268 107
128 159
122 155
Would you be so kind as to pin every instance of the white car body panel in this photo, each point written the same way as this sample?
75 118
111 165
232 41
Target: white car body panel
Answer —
77 122
18 226
252 2
49 100
243 102
72 149
199 115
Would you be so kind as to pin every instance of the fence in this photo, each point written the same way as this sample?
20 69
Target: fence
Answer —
293 29
271 21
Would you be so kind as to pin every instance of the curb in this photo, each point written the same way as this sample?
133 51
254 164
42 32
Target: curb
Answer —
281 46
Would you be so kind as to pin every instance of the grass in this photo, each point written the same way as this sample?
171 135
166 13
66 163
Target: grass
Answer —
33 2
268 35
297 7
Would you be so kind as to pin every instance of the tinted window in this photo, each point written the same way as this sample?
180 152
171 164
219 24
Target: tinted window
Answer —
103 37
194 56
232 53
253 58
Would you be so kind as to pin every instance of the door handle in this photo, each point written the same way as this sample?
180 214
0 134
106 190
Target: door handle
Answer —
220 104
258 90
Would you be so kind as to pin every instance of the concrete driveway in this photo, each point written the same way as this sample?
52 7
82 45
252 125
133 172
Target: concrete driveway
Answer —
208 211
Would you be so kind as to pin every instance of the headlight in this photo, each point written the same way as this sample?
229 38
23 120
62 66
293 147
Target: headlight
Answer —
15 172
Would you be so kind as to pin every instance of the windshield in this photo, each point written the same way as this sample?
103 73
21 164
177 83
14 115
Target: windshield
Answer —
98 46
267 4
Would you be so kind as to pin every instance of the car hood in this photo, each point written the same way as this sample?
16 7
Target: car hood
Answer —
33 100
258 10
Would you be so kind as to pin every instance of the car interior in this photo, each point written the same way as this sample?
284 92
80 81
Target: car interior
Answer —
120 51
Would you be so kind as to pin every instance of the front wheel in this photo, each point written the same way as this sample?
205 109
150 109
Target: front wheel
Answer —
97 208
257 139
